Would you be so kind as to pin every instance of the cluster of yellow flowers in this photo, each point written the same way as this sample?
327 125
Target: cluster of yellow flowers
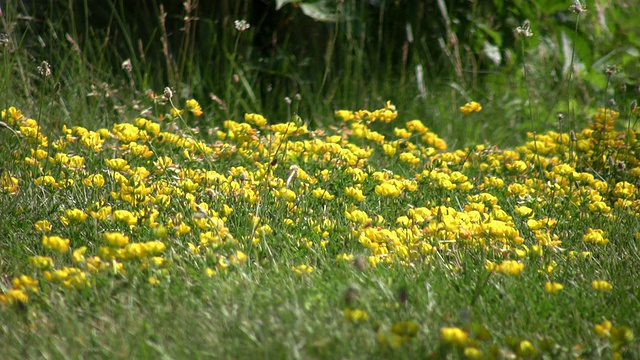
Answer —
157 190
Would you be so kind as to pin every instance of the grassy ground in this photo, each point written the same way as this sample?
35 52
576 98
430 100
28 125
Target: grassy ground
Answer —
140 240
138 226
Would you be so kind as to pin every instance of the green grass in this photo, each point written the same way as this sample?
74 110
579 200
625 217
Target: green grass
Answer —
233 253
207 299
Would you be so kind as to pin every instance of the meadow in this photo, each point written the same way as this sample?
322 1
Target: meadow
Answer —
156 234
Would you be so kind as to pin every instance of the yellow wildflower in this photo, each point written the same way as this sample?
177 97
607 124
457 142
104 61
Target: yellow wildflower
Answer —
302 269
78 255
118 164
601 285
345 115
322 194
552 287
194 107
509 267
387 189
468 108
14 296
526 349
125 216
238 258
472 353
41 262
595 237
454 336
603 329
94 180
356 315
73 215
354 193
56 243
43 226
115 239
255 119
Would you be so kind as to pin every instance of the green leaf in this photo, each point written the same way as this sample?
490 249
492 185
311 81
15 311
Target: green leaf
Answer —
318 11
549 7
583 47
281 3
492 52
496 36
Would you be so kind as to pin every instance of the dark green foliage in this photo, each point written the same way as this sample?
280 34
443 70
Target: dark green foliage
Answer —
466 50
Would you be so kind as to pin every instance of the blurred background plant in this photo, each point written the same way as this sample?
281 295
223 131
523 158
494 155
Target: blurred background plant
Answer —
429 57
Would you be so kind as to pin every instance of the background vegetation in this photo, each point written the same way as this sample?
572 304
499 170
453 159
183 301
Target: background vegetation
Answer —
428 57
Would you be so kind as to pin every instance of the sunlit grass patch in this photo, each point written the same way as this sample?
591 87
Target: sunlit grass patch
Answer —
147 207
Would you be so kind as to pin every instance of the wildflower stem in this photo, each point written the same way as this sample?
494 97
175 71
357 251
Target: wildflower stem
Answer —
537 162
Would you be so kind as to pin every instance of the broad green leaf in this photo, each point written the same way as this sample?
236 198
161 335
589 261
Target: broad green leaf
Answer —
318 11
581 45
549 7
595 78
492 52
496 36
281 3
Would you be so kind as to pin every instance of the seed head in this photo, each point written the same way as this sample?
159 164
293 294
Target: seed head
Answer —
44 69
611 69
126 66
4 40
578 7
241 25
525 29
168 93
293 172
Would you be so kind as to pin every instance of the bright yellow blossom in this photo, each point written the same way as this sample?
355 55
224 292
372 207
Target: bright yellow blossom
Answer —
472 353
526 349
355 315
552 287
56 243
603 329
470 107
388 189
41 262
14 296
354 193
302 269
94 180
454 336
115 239
126 217
73 216
43 226
601 285
595 237
255 119
194 107
322 194
118 164
78 255
509 267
